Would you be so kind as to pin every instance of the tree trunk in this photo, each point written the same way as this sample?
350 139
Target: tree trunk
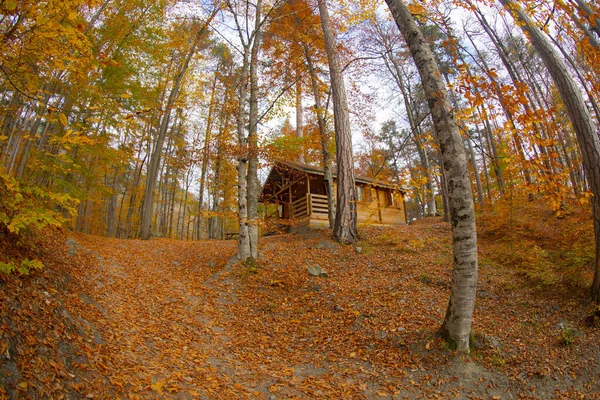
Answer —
457 324
585 129
253 183
415 132
223 128
507 113
205 154
476 173
345 227
244 240
299 116
324 138
162 131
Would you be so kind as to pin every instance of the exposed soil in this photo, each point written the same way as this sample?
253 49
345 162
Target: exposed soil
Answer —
111 318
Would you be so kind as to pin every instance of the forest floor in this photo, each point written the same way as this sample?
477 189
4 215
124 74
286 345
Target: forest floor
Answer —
110 318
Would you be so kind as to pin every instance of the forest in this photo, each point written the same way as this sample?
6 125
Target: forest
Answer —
135 140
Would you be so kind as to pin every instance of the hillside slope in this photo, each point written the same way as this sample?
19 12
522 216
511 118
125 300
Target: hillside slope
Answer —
114 318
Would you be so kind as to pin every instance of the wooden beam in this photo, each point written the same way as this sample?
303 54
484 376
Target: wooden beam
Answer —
289 185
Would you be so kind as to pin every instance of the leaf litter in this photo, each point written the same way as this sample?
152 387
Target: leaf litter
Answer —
111 318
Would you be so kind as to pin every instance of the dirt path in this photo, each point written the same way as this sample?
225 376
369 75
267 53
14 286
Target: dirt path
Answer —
161 305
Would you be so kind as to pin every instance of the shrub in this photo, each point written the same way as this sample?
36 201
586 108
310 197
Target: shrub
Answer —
23 208
23 268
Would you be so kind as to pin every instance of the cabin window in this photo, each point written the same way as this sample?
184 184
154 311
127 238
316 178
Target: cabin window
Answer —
391 199
360 193
363 193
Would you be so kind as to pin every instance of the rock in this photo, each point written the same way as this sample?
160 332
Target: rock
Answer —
382 335
314 288
359 250
325 245
72 245
495 343
316 270
233 260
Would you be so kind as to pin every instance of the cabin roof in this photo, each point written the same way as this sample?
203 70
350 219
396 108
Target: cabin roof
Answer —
295 167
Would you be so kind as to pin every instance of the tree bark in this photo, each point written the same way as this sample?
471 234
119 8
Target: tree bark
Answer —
299 116
324 138
415 132
585 129
345 227
457 324
205 154
244 240
253 183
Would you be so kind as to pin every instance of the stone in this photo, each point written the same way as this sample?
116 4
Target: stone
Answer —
316 270
325 245
72 245
359 250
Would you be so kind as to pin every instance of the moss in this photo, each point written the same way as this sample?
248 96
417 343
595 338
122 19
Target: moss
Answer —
445 334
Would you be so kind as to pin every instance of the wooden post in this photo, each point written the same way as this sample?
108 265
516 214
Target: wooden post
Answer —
308 198
379 204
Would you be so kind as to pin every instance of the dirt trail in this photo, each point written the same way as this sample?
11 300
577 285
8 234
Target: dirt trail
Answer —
170 319
161 308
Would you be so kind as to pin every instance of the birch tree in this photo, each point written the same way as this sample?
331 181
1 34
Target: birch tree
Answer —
456 327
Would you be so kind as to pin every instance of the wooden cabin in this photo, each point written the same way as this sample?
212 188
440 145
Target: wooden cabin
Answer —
299 191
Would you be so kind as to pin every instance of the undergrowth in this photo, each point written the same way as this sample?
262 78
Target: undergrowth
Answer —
542 246
25 210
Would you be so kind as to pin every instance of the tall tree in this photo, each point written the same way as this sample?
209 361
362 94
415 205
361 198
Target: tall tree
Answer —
345 228
456 327
153 167
583 124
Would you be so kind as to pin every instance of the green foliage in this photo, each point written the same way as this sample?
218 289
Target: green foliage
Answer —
497 358
23 208
568 336
24 268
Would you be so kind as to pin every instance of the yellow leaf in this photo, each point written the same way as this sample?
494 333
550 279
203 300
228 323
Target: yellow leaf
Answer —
23 385
63 119
158 387
10 5
125 96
